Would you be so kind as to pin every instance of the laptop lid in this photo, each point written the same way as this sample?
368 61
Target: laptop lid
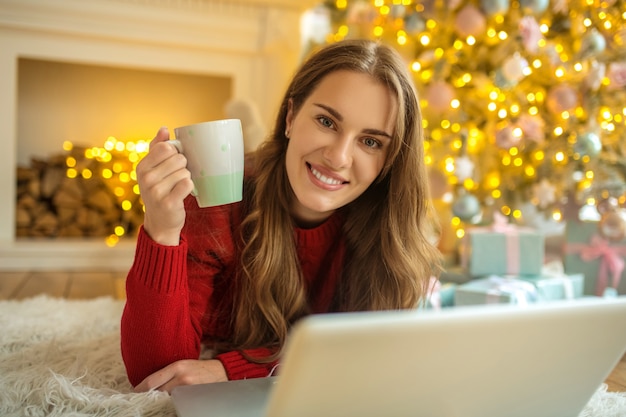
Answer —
543 360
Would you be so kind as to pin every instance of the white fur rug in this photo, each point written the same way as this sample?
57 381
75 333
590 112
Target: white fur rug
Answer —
61 357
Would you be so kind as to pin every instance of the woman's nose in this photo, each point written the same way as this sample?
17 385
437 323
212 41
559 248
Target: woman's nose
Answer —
339 153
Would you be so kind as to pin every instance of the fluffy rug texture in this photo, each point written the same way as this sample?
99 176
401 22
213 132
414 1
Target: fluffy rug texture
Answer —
62 358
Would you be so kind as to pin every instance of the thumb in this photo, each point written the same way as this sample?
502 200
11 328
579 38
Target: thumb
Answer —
161 136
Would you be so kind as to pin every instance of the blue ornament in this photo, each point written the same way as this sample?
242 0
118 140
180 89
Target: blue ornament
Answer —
494 7
413 24
535 6
588 144
466 207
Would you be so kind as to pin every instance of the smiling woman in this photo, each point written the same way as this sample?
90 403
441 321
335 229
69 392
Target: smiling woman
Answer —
335 217
338 143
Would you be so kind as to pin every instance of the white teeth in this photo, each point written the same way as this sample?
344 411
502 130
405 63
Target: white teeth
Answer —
324 179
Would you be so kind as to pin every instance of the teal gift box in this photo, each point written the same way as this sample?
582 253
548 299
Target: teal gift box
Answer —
601 261
495 290
557 287
511 251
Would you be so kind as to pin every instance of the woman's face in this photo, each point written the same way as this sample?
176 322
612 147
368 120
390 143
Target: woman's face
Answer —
338 143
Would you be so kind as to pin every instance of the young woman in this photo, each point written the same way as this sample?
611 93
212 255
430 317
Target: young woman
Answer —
336 217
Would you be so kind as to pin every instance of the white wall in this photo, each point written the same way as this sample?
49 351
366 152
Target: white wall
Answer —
254 42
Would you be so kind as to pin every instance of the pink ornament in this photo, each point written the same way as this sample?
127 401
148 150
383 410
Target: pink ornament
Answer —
439 184
505 138
439 95
531 34
617 75
533 127
562 97
470 21
513 68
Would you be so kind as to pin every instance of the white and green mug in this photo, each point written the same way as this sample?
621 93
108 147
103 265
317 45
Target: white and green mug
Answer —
214 152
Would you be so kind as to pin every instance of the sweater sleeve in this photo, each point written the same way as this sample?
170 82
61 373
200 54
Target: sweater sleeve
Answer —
157 328
180 296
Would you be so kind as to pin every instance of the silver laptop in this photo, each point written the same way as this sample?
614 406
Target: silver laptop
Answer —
542 360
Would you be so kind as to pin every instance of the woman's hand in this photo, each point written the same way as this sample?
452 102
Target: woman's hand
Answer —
164 181
184 372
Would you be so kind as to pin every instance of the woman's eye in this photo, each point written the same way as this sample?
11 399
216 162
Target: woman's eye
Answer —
371 143
325 121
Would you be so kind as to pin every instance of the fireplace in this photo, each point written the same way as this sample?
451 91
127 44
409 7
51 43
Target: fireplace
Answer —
251 43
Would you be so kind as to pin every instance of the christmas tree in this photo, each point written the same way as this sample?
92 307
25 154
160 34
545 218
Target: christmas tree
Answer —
524 102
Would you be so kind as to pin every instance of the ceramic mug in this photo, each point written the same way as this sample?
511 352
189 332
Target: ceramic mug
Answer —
215 155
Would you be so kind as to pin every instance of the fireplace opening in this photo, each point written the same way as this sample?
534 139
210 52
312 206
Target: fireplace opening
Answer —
81 131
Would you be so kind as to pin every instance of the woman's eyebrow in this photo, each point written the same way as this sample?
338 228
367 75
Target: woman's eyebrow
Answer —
339 117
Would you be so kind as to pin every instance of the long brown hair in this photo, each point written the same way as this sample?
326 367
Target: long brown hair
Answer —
390 253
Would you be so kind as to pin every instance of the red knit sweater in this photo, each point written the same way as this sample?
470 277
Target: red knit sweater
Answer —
181 296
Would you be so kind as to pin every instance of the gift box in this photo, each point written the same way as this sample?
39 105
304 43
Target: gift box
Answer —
600 261
553 287
495 290
503 249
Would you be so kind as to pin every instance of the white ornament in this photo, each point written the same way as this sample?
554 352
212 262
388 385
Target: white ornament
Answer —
463 168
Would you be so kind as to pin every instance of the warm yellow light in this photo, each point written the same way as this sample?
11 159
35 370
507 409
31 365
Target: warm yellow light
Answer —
71 173
127 205
425 39
112 240
109 144
67 146
455 103
341 4
559 156
70 162
502 35
119 231
86 173
416 66
119 191
107 173
470 40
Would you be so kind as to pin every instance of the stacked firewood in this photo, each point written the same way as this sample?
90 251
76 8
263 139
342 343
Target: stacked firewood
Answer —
52 204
